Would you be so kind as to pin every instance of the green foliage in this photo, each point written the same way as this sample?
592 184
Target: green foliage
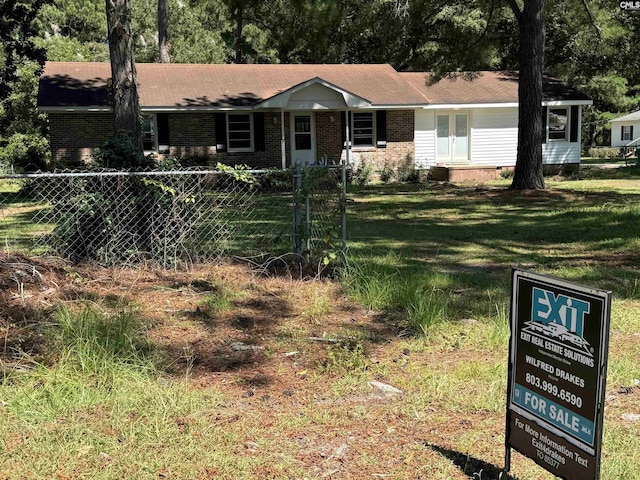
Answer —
194 36
17 30
70 49
120 153
93 340
363 173
28 152
506 173
319 189
346 356
604 152
424 308
387 173
276 180
241 173
217 301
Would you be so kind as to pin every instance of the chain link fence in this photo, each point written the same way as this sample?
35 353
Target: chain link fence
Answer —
171 217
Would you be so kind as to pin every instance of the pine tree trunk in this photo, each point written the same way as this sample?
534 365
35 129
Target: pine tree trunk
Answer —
528 171
163 31
238 32
126 108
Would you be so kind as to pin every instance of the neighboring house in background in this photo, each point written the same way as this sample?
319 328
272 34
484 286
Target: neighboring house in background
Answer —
625 130
278 115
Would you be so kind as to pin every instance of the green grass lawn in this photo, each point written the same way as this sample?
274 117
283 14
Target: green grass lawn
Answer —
436 255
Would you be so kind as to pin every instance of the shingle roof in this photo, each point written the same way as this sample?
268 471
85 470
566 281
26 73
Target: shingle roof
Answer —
84 84
485 87
631 117
183 85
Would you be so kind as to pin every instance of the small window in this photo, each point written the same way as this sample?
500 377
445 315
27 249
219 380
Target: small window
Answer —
626 132
240 132
149 133
558 124
363 128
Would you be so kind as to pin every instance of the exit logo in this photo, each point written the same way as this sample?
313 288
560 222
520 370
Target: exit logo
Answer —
549 308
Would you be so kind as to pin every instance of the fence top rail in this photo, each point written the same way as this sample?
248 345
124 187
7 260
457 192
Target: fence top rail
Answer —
158 173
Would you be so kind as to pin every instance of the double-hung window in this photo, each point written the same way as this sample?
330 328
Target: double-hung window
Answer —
240 132
363 129
627 132
558 124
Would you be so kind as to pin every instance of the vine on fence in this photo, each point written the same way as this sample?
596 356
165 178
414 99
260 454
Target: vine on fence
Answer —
321 239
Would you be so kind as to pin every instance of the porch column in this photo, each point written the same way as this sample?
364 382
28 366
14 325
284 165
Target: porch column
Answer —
347 141
283 145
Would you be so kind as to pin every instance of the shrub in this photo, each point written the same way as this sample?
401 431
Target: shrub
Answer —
194 160
276 180
387 173
120 153
411 176
26 151
604 152
506 173
362 174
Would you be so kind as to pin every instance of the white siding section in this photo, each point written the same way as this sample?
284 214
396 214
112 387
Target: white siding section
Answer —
494 139
425 138
560 152
616 133
494 136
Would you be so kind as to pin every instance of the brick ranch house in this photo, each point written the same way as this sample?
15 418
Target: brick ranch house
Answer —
279 115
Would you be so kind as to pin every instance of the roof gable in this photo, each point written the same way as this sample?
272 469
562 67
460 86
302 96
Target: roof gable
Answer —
630 117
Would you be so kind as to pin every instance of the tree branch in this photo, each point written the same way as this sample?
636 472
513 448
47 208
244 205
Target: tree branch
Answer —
516 9
591 20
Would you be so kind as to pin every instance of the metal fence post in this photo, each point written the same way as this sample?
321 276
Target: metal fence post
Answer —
343 206
297 214
308 218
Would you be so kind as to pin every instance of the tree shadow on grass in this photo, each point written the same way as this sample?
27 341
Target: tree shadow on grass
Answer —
472 467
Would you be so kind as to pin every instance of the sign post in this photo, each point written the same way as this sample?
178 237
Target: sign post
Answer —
557 372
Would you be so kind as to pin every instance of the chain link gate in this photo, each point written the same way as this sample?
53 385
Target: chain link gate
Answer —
170 217
318 216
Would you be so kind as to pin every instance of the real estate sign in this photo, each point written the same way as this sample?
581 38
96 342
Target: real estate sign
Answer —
557 371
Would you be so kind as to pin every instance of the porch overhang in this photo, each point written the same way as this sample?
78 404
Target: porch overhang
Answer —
294 98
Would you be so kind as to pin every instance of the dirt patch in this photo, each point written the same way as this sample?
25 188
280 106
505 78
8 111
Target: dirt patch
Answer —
267 354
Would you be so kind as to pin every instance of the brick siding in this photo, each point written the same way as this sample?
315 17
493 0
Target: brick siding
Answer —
75 135
400 150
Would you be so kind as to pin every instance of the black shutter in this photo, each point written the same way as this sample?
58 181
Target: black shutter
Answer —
573 131
631 133
381 128
221 132
544 124
163 128
258 132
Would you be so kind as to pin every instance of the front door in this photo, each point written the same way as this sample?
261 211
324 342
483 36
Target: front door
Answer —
452 137
303 138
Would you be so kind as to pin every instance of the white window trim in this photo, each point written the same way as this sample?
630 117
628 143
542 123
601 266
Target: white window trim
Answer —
373 132
251 134
567 133
154 126
625 135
